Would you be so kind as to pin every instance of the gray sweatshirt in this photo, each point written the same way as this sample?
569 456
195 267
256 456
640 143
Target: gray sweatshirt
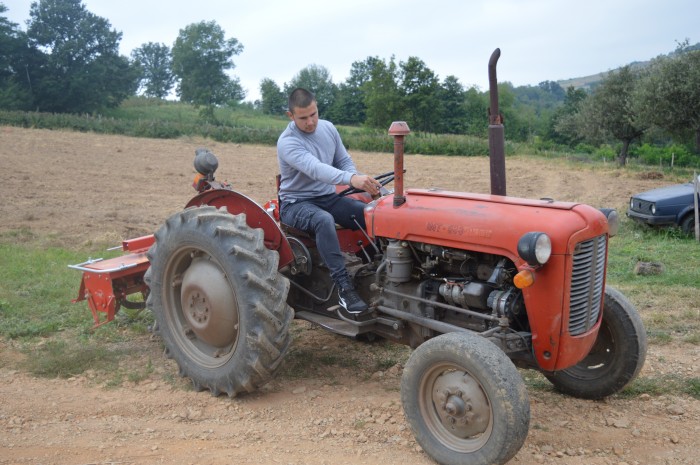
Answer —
312 165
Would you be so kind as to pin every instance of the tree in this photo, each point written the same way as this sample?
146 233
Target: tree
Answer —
81 69
349 106
452 101
381 95
610 112
419 87
15 88
563 127
316 79
274 101
201 56
477 112
155 64
670 94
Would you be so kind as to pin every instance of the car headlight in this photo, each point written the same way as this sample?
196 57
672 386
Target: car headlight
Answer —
535 248
632 203
613 220
653 209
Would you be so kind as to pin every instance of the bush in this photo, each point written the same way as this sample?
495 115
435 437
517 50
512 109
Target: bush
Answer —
671 155
605 152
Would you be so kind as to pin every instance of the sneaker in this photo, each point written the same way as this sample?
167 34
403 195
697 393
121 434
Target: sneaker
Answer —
351 304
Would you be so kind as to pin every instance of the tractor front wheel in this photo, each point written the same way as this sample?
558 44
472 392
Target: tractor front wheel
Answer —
617 355
218 299
465 400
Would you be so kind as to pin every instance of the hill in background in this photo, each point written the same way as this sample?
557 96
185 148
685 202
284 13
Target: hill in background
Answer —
590 82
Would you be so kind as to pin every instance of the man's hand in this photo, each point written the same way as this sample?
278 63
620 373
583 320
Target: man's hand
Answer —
365 183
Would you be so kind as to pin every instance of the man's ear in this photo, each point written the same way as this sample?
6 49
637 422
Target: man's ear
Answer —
291 116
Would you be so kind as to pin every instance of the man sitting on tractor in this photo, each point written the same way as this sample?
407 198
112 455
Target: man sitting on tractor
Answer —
312 161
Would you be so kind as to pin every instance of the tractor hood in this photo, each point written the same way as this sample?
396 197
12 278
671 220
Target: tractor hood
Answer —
487 223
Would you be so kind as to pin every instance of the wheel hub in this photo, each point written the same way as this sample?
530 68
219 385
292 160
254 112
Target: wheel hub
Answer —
208 304
461 404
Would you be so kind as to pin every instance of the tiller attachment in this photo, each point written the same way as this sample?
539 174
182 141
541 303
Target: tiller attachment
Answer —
107 283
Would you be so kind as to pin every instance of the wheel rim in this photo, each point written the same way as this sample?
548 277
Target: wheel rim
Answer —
599 359
455 408
200 307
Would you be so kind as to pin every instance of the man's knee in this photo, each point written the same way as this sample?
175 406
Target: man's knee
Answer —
322 221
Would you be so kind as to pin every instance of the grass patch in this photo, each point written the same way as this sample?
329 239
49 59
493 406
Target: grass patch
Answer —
59 359
36 288
668 301
668 384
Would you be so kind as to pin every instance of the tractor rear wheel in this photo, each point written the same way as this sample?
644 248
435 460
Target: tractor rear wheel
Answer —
616 358
465 400
218 299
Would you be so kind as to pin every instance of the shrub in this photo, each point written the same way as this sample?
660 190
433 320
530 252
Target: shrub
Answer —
671 155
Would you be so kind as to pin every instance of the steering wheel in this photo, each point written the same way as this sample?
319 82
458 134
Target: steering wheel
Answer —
383 179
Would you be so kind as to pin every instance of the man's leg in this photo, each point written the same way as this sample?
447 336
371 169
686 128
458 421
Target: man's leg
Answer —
346 211
312 218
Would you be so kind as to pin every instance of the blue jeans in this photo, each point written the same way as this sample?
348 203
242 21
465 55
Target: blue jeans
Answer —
318 216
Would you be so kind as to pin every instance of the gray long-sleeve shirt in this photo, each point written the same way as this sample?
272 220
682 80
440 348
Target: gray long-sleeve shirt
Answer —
311 165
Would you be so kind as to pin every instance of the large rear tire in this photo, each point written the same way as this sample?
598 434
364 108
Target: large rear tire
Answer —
465 400
616 357
218 299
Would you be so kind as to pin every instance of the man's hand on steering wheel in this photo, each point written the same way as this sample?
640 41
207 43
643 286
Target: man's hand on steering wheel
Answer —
365 183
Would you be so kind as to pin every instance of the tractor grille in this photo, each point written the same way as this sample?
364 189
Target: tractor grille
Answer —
587 284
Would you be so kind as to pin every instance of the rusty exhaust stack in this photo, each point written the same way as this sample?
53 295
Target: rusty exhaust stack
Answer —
497 151
398 129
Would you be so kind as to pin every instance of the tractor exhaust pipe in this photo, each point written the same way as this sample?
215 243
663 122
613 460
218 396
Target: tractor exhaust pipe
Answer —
497 152
398 130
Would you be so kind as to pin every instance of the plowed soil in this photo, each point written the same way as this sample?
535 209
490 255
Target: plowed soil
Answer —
342 407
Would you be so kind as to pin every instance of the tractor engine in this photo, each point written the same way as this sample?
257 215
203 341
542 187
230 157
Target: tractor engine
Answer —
465 289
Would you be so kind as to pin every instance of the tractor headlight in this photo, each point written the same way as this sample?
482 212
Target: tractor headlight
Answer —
535 248
613 220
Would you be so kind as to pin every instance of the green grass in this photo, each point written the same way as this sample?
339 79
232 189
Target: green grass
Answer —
36 288
669 384
666 384
668 301
142 117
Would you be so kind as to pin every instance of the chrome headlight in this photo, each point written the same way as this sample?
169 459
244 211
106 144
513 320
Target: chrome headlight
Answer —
632 203
653 209
613 220
535 248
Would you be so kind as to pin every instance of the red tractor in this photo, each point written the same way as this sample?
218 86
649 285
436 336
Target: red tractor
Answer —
477 284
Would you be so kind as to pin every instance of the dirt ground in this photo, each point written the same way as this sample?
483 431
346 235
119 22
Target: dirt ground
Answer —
85 189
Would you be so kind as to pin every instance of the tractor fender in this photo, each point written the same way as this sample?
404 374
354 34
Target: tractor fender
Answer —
256 217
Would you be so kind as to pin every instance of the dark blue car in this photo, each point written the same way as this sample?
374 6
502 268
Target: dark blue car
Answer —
671 205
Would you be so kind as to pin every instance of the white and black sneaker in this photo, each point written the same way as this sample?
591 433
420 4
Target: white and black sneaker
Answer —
351 304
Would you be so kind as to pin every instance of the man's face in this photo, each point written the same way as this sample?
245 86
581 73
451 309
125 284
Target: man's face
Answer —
306 118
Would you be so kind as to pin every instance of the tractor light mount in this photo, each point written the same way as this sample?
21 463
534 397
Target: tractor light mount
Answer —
535 248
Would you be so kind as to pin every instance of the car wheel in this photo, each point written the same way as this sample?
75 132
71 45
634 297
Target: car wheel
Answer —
687 224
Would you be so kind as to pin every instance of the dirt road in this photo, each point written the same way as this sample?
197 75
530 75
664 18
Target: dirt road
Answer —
334 402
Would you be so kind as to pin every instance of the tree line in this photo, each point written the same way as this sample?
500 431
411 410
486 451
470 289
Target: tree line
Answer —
67 61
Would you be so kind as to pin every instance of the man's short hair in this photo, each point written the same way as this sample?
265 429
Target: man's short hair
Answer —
300 98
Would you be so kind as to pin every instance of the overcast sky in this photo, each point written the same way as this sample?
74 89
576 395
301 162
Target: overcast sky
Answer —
539 39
